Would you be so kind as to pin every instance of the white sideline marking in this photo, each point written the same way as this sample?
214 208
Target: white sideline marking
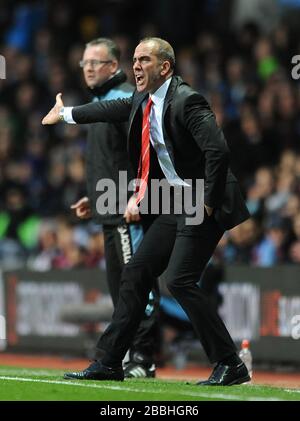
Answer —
130 389
292 390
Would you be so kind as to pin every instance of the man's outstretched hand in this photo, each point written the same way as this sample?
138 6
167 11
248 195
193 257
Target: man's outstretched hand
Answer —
53 116
83 208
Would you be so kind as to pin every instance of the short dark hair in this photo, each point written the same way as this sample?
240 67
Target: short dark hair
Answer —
113 50
164 52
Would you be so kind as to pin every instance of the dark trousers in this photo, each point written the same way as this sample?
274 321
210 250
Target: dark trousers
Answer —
185 250
120 243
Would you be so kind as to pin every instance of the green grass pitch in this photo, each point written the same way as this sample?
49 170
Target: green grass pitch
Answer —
20 384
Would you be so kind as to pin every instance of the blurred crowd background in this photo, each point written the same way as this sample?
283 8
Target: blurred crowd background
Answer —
236 52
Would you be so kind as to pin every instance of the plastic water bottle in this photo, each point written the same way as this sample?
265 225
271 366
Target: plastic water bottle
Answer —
246 356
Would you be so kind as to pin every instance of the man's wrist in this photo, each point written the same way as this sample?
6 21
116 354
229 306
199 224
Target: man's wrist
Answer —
67 116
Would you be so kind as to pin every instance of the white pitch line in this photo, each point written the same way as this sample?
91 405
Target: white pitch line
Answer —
26 372
130 389
292 390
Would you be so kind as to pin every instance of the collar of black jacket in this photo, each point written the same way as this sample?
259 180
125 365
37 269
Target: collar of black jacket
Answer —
117 79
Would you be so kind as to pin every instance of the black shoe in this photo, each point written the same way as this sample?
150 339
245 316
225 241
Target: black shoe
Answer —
97 371
139 366
225 375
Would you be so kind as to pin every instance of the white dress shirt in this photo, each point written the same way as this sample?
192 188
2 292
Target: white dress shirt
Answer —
157 137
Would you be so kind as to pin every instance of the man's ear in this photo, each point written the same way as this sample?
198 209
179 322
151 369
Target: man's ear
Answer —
165 68
115 66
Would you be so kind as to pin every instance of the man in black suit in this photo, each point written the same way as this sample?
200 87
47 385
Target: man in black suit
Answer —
186 145
106 157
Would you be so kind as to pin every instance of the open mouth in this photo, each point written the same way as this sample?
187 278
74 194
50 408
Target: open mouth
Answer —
139 79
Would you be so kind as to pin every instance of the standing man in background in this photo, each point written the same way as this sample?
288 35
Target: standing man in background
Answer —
106 156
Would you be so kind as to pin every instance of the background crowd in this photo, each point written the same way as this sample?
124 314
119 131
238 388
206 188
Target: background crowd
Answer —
238 56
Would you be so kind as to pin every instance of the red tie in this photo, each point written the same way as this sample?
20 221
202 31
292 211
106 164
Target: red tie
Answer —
144 165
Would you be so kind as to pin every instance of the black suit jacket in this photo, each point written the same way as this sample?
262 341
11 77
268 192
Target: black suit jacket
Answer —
195 143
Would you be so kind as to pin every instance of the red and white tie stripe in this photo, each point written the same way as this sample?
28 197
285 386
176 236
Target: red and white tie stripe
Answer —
144 165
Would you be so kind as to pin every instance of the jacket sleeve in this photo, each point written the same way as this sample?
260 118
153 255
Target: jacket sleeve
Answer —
200 121
113 111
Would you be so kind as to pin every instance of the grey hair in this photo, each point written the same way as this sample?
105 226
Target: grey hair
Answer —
113 50
164 51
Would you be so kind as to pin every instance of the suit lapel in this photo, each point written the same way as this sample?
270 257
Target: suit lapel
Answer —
134 144
169 97
170 94
137 102
134 130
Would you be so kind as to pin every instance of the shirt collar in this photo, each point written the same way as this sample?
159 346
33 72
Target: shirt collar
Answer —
159 95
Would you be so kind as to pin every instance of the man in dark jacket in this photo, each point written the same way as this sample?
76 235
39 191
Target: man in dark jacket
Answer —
177 124
106 157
